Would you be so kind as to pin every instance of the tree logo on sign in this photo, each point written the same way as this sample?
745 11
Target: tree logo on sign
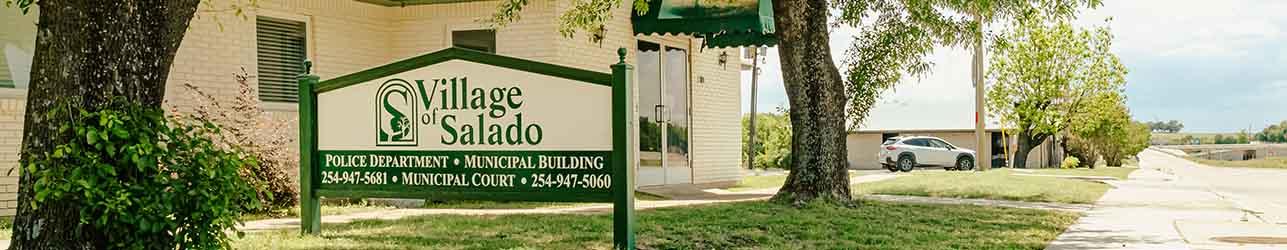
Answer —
396 106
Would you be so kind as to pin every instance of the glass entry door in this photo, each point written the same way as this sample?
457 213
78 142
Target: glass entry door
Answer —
662 72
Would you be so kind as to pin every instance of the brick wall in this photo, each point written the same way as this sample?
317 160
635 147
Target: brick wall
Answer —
348 36
12 104
19 33
717 115
426 28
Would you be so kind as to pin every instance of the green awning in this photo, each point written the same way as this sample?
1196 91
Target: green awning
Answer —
723 23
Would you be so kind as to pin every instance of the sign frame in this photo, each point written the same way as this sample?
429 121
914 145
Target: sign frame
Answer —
621 158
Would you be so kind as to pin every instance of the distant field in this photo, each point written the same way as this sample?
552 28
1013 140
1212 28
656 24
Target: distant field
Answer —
1270 162
1172 138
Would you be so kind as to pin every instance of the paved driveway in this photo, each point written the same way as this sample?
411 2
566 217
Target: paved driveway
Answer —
1259 190
1171 203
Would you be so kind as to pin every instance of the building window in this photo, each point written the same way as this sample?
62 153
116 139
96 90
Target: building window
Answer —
480 40
281 52
15 69
886 136
17 46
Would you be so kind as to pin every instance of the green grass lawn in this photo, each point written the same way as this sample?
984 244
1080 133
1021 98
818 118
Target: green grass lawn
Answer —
997 184
754 182
745 225
759 182
6 227
327 209
344 206
1269 162
1104 171
520 204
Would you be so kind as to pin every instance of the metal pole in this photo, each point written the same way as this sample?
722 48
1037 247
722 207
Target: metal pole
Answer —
984 142
755 77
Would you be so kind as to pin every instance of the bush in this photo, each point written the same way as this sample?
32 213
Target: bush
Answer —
772 139
1082 149
1131 140
248 127
1070 162
142 181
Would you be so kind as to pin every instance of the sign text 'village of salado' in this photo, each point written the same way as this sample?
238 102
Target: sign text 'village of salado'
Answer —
458 124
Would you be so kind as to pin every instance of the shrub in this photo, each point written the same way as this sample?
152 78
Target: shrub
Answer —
248 127
772 139
1131 140
1070 162
1082 149
142 181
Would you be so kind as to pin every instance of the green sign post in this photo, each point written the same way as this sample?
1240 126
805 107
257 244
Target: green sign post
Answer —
458 124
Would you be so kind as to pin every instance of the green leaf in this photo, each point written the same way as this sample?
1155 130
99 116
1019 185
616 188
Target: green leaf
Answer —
91 138
120 132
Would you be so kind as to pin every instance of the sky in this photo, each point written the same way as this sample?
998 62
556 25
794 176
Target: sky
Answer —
1216 66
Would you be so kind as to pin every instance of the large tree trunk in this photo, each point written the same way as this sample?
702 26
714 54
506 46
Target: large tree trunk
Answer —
1026 142
817 97
89 52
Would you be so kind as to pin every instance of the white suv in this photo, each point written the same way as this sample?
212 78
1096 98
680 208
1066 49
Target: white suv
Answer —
907 153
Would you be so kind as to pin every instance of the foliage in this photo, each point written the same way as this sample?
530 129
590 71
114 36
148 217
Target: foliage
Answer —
1103 128
1172 126
1240 138
892 41
1081 149
1070 162
772 139
248 127
1049 76
142 181
895 36
589 16
650 136
1274 133
24 5
1129 141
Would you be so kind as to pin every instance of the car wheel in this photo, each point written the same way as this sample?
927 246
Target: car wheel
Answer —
906 163
965 163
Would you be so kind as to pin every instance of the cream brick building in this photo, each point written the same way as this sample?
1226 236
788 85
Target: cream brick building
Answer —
700 96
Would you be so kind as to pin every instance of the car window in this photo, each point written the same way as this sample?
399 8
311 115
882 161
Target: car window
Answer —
939 144
890 141
917 142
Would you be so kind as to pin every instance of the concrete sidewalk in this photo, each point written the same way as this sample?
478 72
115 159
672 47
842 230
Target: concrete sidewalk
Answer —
1154 209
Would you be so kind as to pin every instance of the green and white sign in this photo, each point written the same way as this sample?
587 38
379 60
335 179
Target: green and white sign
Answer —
462 124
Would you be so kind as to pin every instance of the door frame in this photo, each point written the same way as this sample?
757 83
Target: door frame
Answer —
686 45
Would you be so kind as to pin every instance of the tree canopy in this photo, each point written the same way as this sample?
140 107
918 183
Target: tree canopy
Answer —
1046 73
1172 126
893 39
1273 133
